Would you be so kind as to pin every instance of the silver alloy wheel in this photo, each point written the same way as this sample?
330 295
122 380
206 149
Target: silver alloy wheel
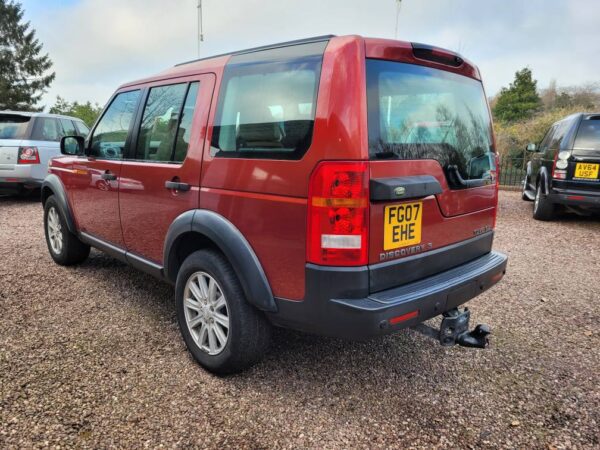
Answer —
55 234
206 312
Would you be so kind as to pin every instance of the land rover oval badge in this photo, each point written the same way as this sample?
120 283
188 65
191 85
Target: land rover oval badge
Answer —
399 191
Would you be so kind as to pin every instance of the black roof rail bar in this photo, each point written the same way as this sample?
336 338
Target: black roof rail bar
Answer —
310 40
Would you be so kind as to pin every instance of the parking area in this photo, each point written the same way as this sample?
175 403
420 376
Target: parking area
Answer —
91 356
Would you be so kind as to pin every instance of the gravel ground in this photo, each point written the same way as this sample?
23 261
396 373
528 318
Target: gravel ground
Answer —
91 357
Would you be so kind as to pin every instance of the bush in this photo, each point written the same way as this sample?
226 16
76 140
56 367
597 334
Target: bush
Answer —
512 138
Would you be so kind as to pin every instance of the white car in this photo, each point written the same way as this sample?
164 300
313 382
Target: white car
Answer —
28 140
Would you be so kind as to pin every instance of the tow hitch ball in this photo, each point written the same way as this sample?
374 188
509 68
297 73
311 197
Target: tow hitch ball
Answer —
455 330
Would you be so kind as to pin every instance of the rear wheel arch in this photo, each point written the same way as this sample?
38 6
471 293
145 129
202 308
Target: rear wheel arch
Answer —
202 229
543 178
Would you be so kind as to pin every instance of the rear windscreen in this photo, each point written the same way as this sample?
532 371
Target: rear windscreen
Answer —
13 126
588 135
417 112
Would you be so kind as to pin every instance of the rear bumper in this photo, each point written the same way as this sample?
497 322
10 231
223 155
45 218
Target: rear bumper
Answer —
16 176
574 197
338 303
15 184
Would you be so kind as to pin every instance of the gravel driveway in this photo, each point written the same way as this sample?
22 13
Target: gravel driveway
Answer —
91 357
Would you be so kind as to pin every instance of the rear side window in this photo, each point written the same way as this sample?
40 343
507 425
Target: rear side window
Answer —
68 127
560 132
13 126
267 103
166 123
110 135
588 135
547 138
82 128
46 129
417 112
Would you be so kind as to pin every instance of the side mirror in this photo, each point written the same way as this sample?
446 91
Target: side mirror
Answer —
531 148
72 145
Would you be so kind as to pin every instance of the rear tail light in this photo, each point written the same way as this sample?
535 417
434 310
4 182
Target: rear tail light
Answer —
338 214
558 170
28 155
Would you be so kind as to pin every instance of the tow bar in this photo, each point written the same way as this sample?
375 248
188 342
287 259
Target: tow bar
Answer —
455 330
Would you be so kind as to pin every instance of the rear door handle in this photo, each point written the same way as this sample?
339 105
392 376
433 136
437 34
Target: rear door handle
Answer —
108 176
177 186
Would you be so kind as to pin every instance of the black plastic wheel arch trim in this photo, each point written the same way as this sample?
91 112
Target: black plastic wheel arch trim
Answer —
234 246
54 184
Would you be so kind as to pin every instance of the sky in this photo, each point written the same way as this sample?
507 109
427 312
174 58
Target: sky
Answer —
96 45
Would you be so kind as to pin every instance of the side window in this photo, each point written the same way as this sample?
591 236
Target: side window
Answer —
68 127
110 135
559 134
82 129
46 129
158 129
546 141
267 105
185 126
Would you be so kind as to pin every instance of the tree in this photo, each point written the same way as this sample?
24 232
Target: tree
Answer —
24 75
520 100
87 111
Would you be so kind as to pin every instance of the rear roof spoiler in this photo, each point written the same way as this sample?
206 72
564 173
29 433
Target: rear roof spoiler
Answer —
436 54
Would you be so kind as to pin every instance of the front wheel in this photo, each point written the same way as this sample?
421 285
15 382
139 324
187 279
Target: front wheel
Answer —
65 248
543 208
224 333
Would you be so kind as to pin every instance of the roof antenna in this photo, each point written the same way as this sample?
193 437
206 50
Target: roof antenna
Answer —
398 4
200 31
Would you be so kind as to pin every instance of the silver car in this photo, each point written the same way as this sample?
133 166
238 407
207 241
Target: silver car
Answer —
28 140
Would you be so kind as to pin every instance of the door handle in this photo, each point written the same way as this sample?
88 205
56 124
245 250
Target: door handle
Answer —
177 186
108 176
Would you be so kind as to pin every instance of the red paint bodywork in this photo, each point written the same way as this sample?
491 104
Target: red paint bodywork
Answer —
266 199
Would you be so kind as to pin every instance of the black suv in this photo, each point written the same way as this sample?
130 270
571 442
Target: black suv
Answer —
564 168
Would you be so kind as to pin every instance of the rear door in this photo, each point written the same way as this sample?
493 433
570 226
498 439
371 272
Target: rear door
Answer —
160 177
95 177
584 165
430 142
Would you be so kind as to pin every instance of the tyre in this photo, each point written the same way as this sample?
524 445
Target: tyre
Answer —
223 332
543 208
65 248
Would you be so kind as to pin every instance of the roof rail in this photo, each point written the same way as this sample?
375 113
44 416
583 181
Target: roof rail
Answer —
264 47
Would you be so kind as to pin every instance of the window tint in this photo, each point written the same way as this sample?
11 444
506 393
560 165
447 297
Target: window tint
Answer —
267 107
68 127
185 127
13 126
108 140
588 135
159 122
82 128
46 129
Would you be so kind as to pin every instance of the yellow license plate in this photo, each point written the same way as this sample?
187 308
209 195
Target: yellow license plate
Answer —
587 171
402 225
